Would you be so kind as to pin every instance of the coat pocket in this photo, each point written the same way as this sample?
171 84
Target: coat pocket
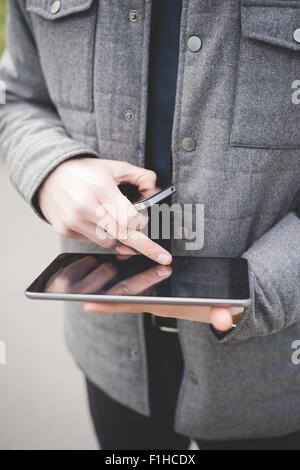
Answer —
266 113
65 34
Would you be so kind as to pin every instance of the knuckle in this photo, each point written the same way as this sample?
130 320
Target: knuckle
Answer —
110 243
72 219
101 187
82 205
151 174
100 211
123 289
106 242
122 233
125 166
62 230
102 243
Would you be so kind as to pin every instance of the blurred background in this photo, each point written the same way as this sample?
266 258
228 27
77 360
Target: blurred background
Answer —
42 395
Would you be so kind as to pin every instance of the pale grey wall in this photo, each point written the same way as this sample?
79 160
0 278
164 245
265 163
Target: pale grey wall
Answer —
42 396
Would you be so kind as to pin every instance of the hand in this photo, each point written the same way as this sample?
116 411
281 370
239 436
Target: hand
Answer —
221 318
86 276
80 277
82 201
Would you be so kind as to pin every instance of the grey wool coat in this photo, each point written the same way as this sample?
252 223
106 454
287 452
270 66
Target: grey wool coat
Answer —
71 74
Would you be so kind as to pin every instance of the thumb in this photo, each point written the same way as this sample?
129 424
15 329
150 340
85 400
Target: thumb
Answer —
221 318
140 177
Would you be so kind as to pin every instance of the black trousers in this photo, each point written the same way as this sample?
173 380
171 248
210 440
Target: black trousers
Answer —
119 428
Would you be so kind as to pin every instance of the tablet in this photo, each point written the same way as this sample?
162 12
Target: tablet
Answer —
115 278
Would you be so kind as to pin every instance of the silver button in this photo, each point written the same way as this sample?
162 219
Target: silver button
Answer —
296 35
194 44
128 115
188 144
55 7
133 16
133 353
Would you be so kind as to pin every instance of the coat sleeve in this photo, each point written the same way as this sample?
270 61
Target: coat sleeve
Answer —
33 140
275 282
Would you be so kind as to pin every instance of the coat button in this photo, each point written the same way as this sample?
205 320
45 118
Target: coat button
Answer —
188 144
134 354
296 35
55 7
194 44
133 16
128 115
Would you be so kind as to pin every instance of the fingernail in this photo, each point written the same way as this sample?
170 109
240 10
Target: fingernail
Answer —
163 259
163 272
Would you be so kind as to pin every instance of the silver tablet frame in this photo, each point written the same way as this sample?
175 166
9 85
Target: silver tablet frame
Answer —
135 299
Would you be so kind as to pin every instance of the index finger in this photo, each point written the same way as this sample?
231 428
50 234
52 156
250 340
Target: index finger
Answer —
143 244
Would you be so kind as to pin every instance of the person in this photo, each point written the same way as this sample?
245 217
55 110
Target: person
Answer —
200 92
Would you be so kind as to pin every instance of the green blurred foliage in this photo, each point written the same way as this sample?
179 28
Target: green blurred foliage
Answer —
2 23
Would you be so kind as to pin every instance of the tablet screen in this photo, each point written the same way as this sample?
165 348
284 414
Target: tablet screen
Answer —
188 277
